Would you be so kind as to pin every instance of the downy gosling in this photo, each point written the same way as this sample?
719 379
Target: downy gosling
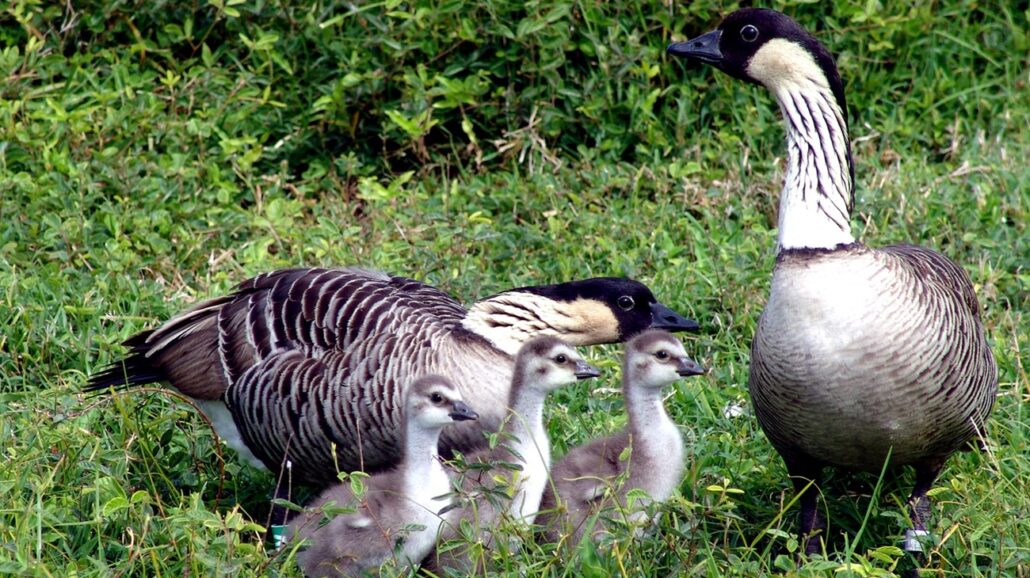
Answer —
399 514
543 365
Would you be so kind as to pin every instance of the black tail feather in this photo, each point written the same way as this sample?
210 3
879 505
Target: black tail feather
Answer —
136 369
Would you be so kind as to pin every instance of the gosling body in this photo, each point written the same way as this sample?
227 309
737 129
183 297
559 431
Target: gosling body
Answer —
398 516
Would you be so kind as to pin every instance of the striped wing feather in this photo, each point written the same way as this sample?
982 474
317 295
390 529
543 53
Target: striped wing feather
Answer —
308 358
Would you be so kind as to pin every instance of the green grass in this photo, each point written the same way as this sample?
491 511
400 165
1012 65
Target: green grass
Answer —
153 154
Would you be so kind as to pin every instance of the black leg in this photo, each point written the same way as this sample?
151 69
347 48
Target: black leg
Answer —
919 505
806 477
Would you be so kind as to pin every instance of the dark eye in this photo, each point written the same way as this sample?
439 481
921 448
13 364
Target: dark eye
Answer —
749 33
626 303
436 398
662 354
560 358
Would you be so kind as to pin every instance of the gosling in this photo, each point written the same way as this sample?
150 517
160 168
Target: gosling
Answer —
398 516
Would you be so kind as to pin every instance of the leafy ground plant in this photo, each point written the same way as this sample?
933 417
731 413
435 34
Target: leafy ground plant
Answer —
155 153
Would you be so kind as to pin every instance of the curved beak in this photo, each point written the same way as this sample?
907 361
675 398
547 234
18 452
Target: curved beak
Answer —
460 411
687 367
704 48
664 318
585 371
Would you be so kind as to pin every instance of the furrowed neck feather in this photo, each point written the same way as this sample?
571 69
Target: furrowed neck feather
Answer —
818 190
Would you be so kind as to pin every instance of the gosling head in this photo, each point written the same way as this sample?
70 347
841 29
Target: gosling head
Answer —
434 402
655 359
768 48
547 363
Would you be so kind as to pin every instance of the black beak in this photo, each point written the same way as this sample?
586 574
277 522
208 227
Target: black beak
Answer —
460 411
664 318
704 48
585 371
687 367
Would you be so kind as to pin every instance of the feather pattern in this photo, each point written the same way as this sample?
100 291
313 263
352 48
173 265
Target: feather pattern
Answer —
896 361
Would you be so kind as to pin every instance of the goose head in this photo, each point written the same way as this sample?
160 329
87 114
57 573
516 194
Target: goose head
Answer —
434 402
584 312
655 359
768 48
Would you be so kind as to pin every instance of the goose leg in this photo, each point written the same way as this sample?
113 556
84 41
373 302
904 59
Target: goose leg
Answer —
919 503
806 478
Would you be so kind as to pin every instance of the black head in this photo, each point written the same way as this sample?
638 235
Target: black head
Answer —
631 303
748 32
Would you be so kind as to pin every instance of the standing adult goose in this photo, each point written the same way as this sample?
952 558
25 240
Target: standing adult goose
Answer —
593 476
543 365
862 357
296 362
398 515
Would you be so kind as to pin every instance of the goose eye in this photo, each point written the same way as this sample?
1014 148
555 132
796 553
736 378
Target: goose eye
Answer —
662 354
749 33
436 398
560 358
626 303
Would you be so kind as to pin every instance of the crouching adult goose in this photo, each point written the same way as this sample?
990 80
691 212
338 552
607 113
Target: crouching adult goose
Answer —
598 475
518 466
862 356
398 516
296 362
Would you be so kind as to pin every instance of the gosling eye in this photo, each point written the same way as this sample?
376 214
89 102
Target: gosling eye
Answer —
436 398
626 303
560 358
662 354
749 33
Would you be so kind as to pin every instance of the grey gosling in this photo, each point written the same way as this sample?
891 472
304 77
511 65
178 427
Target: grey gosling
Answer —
297 362
398 516
863 357
543 365
600 474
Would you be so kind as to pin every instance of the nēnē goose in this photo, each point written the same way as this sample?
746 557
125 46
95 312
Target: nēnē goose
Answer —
862 357
518 466
297 361
398 515
600 474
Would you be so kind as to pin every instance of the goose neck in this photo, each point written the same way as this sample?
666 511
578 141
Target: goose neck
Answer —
817 198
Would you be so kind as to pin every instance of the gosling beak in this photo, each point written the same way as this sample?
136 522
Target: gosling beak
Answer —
687 367
704 48
664 318
460 411
585 371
